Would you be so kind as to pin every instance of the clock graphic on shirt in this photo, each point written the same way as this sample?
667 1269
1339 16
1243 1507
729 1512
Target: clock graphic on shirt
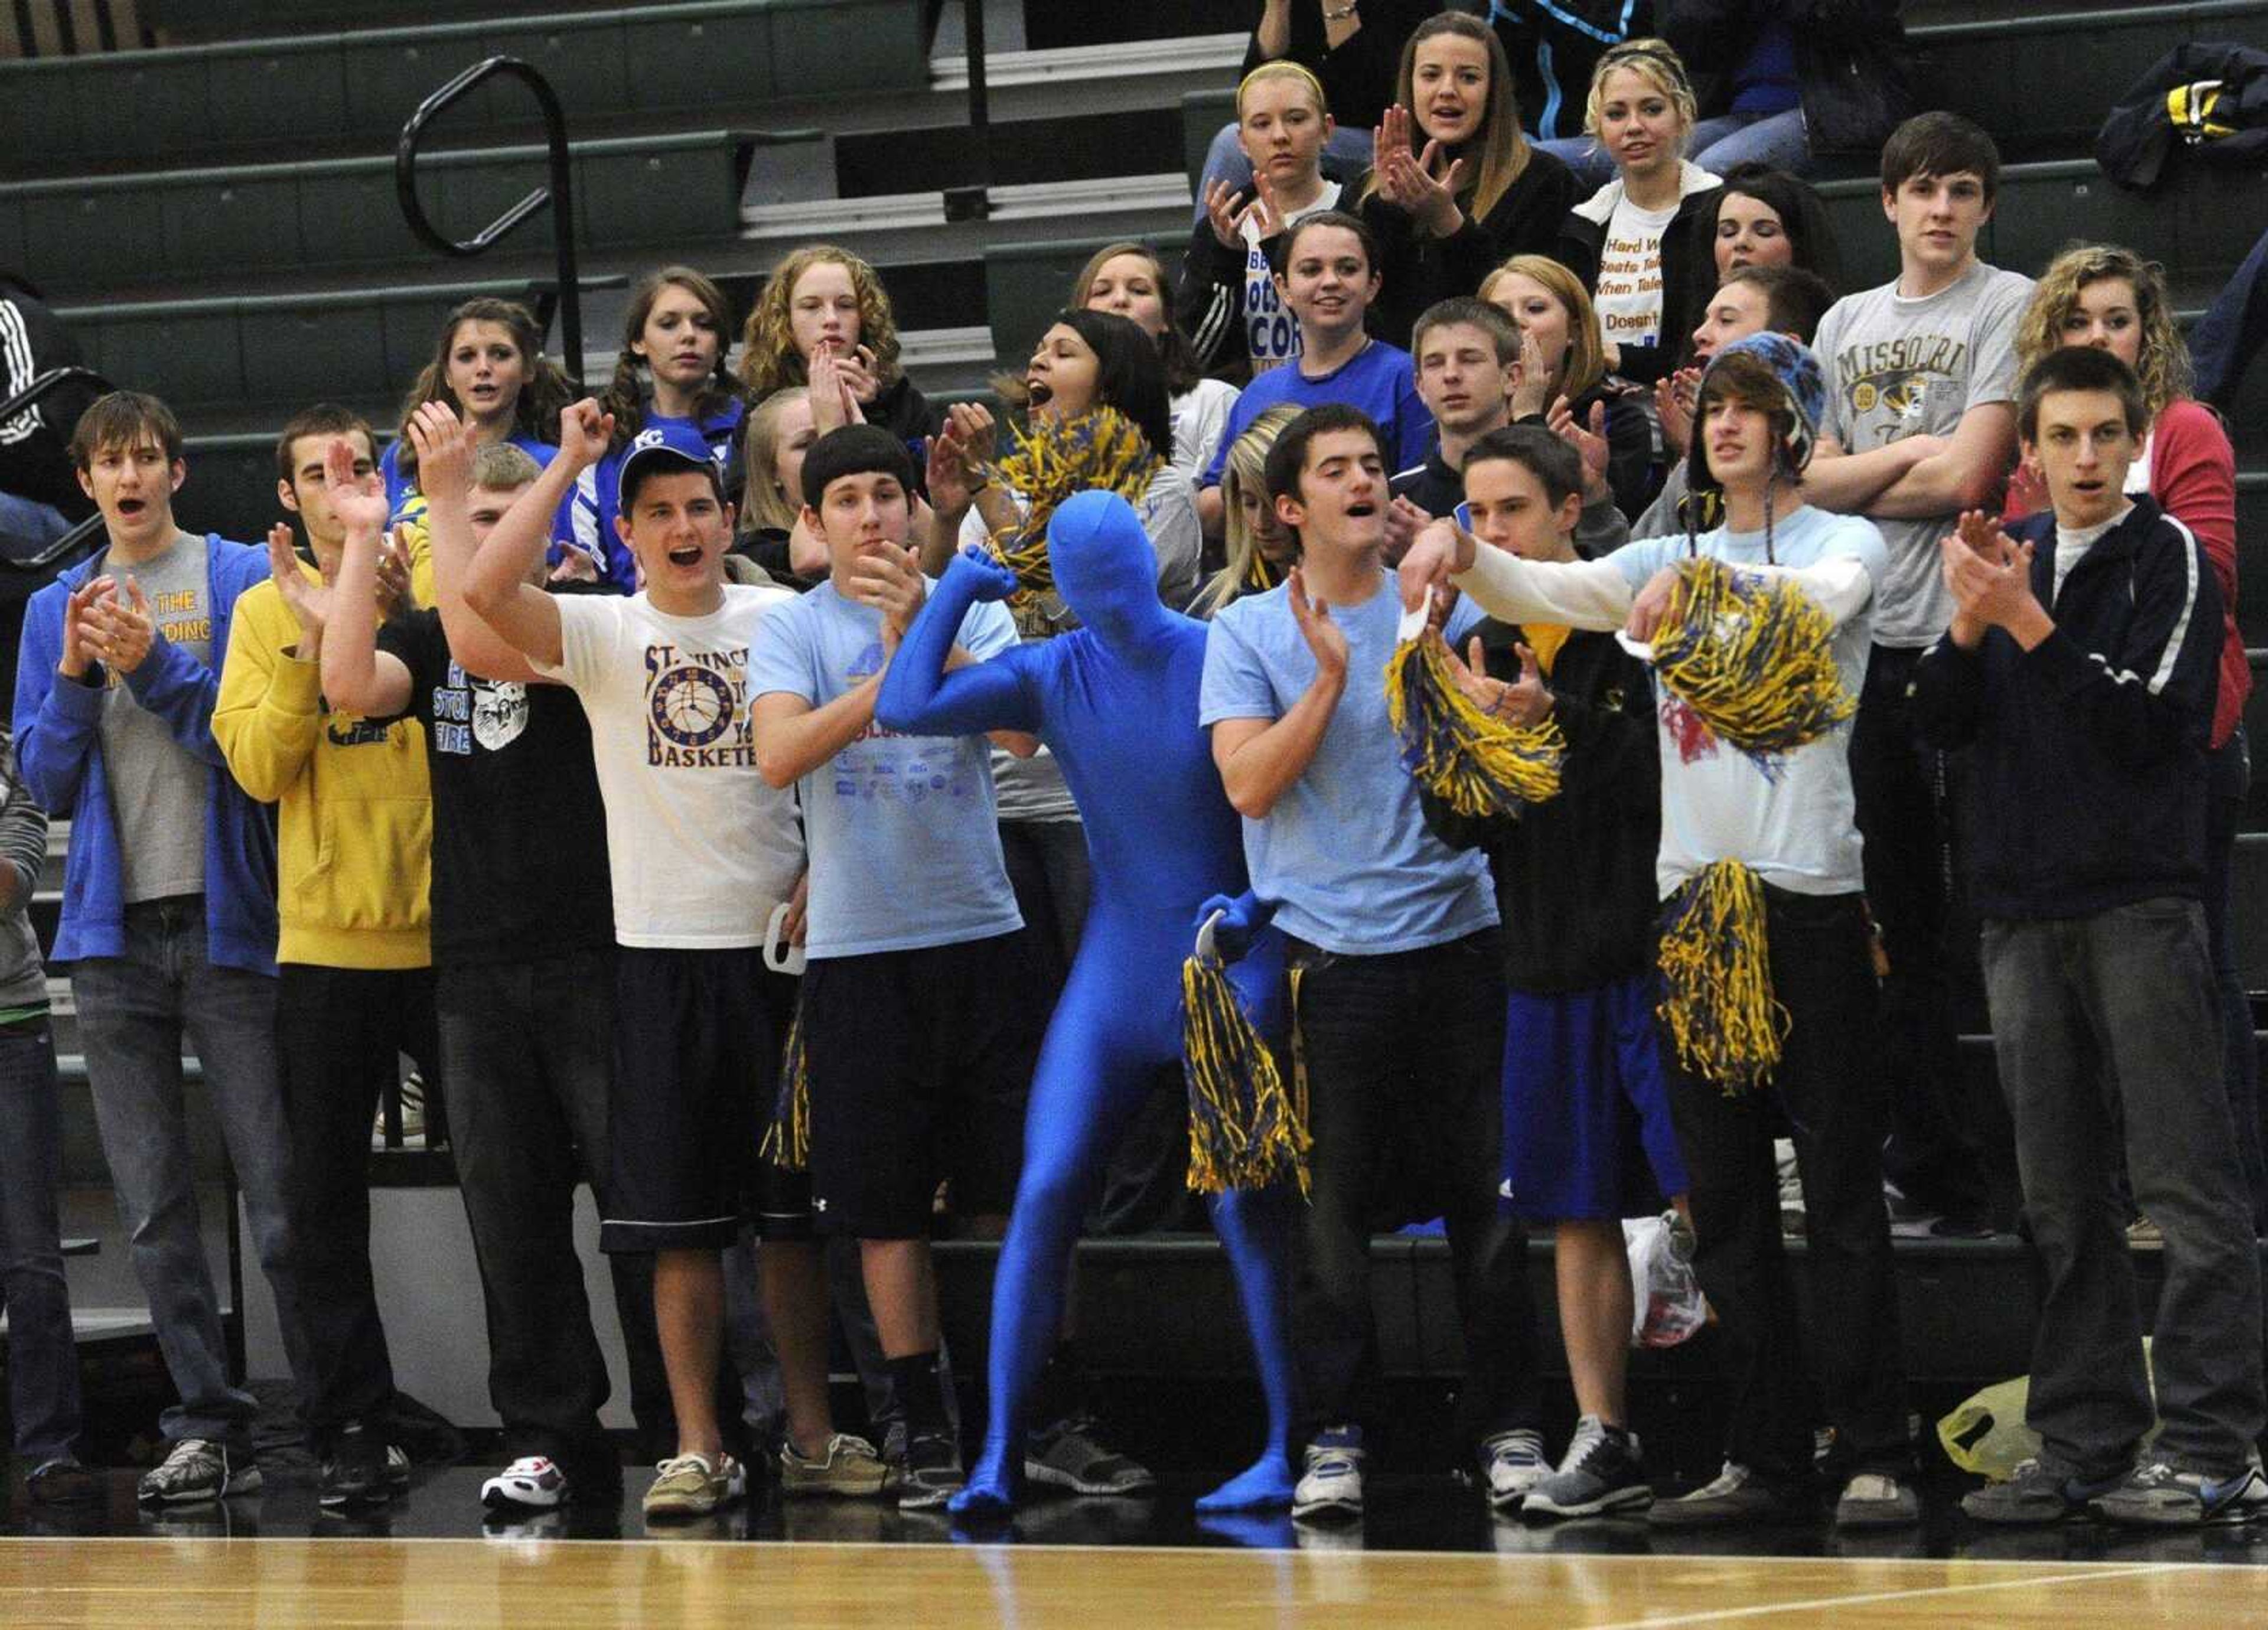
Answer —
692 706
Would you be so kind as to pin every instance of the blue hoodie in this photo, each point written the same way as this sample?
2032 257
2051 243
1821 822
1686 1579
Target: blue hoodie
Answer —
59 748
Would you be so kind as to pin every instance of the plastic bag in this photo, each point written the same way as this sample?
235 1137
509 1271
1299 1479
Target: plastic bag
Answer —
1985 1433
1668 1306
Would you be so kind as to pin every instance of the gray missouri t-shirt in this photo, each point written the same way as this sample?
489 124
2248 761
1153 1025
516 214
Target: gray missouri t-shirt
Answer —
1897 368
157 787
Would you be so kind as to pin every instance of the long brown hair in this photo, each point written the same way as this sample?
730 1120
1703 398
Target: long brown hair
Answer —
768 358
625 396
543 387
1182 371
1502 148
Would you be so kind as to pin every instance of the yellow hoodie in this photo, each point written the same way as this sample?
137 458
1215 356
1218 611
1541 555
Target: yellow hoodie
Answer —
355 806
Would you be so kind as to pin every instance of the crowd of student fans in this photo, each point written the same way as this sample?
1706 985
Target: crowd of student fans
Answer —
540 743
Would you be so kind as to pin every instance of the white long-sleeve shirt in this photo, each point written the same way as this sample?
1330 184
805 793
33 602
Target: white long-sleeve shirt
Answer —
1796 827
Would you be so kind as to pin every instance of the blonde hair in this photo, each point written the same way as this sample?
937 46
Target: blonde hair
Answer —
1504 151
2163 362
1283 69
761 502
1657 62
504 467
770 360
1244 470
1585 362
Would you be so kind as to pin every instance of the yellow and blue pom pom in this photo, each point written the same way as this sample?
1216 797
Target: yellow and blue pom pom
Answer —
1475 763
1102 450
1245 1130
1750 655
787 1140
1717 999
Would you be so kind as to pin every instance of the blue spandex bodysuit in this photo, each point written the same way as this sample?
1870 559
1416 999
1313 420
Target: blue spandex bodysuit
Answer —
1115 700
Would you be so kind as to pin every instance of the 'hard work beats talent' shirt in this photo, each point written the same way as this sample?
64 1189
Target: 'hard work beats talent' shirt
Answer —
157 789
1347 850
701 849
905 846
1628 294
1898 368
519 831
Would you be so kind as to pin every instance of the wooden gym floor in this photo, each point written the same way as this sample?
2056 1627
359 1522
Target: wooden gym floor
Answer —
1429 1556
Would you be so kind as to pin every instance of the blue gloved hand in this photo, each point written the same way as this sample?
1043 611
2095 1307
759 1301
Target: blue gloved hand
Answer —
985 578
1242 918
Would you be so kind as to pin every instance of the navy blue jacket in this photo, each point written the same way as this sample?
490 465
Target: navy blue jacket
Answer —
2085 782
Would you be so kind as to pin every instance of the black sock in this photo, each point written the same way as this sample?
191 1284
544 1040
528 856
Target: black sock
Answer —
921 1392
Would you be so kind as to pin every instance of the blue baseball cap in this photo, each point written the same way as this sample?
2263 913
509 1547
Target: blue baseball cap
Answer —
668 447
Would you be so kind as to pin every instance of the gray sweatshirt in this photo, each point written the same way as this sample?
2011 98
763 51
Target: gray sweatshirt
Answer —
23 849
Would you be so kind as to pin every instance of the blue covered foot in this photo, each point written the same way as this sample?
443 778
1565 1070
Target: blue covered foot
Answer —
993 1489
1264 1486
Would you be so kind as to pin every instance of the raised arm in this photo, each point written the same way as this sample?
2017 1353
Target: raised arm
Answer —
58 705
444 459
357 674
270 706
1582 593
1259 759
920 697
497 585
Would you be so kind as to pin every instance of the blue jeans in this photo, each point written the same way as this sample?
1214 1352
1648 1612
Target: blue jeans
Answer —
1346 154
42 1361
1776 139
2091 1015
133 1011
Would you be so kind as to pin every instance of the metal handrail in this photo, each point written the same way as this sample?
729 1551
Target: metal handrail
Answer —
45 385
560 195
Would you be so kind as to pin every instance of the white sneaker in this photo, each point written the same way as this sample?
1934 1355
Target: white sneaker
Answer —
531 1481
1331 1488
1511 1464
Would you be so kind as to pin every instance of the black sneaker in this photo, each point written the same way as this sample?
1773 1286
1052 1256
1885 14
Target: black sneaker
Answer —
1734 1498
2164 1493
1071 1454
1600 1472
2042 1491
933 1473
64 1483
355 1471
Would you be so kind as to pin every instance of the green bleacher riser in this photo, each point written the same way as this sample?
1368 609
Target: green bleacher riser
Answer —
286 350
2200 221
1027 284
2081 63
88 234
724 58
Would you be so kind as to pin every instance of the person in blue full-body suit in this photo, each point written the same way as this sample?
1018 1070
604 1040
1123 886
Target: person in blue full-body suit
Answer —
1116 701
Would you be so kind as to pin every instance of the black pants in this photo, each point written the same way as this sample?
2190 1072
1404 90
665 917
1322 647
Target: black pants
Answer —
528 1046
2228 775
340 1034
1934 1155
1405 1054
1830 1092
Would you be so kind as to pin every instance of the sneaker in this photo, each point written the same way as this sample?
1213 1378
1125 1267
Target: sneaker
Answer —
1877 1500
1513 1463
932 1473
2042 1491
63 1483
1068 1454
2158 1494
1601 1472
2144 1235
1735 1497
196 1469
695 1485
531 1482
355 1470
397 1466
849 1468
1330 1486
413 1115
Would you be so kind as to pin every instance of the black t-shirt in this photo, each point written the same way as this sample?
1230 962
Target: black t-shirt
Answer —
520 835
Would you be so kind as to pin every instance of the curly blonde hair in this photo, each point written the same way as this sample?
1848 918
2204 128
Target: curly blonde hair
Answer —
2164 359
1585 362
770 360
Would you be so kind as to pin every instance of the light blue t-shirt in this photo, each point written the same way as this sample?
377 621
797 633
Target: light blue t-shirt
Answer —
1378 378
1796 826
904 841
1345 853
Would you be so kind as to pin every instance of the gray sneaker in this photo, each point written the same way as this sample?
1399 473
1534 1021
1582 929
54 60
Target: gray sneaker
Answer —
1602 1471
197 1469
1877 1500
2042 1491
2160 1493
1068 1455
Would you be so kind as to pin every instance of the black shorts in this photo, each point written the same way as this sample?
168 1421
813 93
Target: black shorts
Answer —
921 1062
697 1059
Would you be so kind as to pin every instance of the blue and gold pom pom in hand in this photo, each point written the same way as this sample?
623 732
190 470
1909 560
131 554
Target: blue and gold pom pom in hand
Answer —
1716 1000
1749 653
1474 761
1246 1131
